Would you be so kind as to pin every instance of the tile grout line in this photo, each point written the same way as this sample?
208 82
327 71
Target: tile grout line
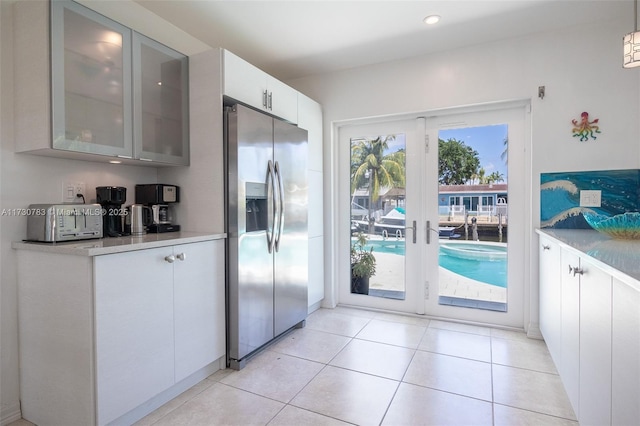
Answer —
493 398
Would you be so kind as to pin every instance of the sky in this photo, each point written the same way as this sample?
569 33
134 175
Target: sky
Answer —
488 141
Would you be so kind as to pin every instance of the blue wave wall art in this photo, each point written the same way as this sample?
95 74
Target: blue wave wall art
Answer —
560 196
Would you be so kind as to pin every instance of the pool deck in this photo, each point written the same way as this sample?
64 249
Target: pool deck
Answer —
390 276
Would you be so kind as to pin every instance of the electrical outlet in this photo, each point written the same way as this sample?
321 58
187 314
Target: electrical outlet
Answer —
590 198
70 190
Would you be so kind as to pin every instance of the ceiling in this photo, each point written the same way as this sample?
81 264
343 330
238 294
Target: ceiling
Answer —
291 39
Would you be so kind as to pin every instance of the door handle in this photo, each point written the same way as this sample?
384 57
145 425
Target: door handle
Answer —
271 229
281 205
428 231
414 228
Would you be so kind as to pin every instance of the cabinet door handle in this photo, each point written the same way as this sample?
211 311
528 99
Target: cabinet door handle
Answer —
270 103
181 256
171 258
545 247
264 98
575 271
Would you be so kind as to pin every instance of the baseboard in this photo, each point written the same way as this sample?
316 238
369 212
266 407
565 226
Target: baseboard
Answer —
166 396
10 414
314 307
533 331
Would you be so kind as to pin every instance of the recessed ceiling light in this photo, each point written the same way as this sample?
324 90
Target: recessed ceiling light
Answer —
432 19
115 161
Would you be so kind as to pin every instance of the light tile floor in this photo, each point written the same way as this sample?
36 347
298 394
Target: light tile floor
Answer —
350 366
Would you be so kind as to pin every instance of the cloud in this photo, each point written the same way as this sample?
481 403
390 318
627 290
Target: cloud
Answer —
489 167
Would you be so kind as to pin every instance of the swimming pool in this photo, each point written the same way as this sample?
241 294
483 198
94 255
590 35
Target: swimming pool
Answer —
486 263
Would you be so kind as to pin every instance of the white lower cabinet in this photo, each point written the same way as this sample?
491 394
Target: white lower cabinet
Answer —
591 323
105 335
569 367
625 356
550 297
586 338
198 306
595 345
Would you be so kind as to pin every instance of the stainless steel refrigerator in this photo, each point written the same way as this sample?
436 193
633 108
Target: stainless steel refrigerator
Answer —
267 244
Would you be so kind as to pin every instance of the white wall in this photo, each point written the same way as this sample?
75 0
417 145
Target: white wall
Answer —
581 68
27 179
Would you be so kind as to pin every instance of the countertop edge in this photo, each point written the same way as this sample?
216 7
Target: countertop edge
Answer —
631 278
106 246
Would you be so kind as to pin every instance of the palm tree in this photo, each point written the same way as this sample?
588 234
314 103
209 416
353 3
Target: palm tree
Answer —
370 167
505 152
495 177
478 177
481 176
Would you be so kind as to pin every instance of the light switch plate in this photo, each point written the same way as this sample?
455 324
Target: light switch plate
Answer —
70 190
590 198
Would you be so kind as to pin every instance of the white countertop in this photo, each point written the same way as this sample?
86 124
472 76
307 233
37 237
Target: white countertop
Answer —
619 258
113 245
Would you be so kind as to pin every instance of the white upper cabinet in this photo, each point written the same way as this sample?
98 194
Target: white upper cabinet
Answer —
161 102
250 85
107 91
91 82
310 119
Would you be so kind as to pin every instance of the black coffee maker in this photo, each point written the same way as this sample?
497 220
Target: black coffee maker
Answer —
160 198
111 198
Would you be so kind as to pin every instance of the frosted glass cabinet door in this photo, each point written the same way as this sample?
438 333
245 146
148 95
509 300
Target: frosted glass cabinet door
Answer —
91 81
160 103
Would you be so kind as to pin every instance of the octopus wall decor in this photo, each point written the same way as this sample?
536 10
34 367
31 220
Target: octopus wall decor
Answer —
584 129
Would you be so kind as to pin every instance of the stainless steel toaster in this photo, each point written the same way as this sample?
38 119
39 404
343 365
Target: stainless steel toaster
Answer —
64 222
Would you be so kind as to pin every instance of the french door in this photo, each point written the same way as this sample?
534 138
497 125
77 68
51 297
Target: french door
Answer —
404 225
379 177
496 210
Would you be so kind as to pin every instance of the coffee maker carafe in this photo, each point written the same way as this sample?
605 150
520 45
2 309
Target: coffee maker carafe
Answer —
160 198
111 198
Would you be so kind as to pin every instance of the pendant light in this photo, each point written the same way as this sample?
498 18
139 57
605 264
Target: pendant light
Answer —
631 43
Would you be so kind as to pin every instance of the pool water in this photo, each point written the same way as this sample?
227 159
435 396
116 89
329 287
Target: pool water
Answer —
486 263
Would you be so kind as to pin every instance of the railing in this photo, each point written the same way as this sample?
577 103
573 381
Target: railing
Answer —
459 213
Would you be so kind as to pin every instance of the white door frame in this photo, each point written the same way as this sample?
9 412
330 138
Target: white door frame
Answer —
517 117
414 292
333 215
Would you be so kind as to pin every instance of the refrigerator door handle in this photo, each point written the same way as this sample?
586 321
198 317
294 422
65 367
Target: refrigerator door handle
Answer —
281 203
271 187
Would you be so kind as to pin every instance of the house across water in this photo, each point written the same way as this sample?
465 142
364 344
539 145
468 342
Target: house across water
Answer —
458 205
486 202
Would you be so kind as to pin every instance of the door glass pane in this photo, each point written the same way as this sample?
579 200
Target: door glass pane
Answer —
472 200
378 211
162 95
93 82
